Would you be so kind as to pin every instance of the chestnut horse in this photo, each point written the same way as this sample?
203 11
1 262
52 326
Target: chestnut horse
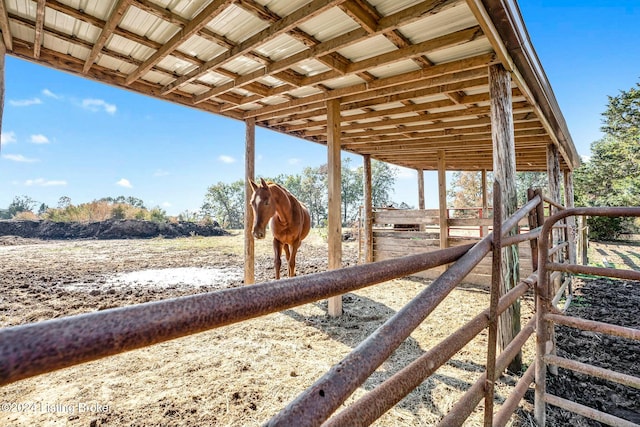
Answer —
290 221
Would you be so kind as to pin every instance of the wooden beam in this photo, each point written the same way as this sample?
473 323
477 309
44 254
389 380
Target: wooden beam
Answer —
442 199
365 18
420 188
3 54
450 72
334 232
39 26
571 220
285 24
4 26
485 201
107 31
368 209
214 8
249 174
504 169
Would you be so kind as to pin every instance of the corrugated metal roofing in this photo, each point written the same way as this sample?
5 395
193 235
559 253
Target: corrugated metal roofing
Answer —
402 69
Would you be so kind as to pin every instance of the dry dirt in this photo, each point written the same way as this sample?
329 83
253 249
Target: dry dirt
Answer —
239 375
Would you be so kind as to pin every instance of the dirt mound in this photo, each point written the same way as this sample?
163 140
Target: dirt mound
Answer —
109 229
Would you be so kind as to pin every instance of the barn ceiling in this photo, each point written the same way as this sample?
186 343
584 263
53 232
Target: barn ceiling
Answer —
410 75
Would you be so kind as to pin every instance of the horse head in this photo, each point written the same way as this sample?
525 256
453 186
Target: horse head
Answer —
263 206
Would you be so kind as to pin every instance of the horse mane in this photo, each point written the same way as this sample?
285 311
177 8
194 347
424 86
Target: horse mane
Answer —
284 190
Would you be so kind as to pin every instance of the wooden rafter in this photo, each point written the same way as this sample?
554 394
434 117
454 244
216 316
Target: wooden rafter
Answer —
4 26
392 111
208 13
107 31
39 34
284 25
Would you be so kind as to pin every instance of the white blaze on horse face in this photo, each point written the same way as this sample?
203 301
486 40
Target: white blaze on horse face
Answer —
262 212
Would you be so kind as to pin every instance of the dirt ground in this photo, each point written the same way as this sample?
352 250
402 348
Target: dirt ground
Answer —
239 375
605 300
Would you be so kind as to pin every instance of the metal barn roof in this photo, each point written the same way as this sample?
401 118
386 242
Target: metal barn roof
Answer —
411 75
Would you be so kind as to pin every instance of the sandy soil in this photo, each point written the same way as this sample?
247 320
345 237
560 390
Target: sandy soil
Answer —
240 375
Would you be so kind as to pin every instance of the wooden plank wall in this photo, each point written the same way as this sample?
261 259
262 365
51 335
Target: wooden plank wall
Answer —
390 242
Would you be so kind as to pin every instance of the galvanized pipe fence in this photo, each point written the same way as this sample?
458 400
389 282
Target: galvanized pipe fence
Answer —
548 315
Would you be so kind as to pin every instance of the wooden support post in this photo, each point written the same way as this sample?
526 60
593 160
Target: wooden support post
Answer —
571 221
485 202
334 233
553 172
421 193
368 209
249 173
504 168
3 52
442 198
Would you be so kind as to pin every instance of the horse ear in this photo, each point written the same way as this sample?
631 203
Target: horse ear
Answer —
264 183
253 185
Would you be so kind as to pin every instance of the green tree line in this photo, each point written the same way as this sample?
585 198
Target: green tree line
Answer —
225 201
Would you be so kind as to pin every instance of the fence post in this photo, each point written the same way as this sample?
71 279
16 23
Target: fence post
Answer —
496 278
544 342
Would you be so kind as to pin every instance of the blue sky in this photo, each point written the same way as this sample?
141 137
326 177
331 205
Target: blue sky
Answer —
67 136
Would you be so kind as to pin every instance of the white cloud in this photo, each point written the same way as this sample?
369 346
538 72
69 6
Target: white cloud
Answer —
19 158
47 92
166 205
39 139
40 182
226 159
124 183
25 102
8 138
294 161
161 172
96 105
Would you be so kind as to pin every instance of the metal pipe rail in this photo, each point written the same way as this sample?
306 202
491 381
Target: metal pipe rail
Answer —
465 406
37 348
546 317
379 400
314 405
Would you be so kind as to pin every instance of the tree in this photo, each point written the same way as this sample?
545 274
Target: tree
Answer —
20 204
225 202
465 190
42 209
64 202
383 179
351 189
611 177
466 187
314 193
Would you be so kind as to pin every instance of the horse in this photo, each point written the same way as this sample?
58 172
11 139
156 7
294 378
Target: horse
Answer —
288 218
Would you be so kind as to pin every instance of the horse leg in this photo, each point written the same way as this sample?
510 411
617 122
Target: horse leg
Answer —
277 249
292 258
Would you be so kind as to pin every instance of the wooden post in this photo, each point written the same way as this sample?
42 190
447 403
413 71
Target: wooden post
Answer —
553 172
249 173
485 202
442 200
334 232
571 221
3 52
421 193
368 209
504 168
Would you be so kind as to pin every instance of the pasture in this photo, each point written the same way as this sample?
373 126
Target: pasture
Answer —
239 375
